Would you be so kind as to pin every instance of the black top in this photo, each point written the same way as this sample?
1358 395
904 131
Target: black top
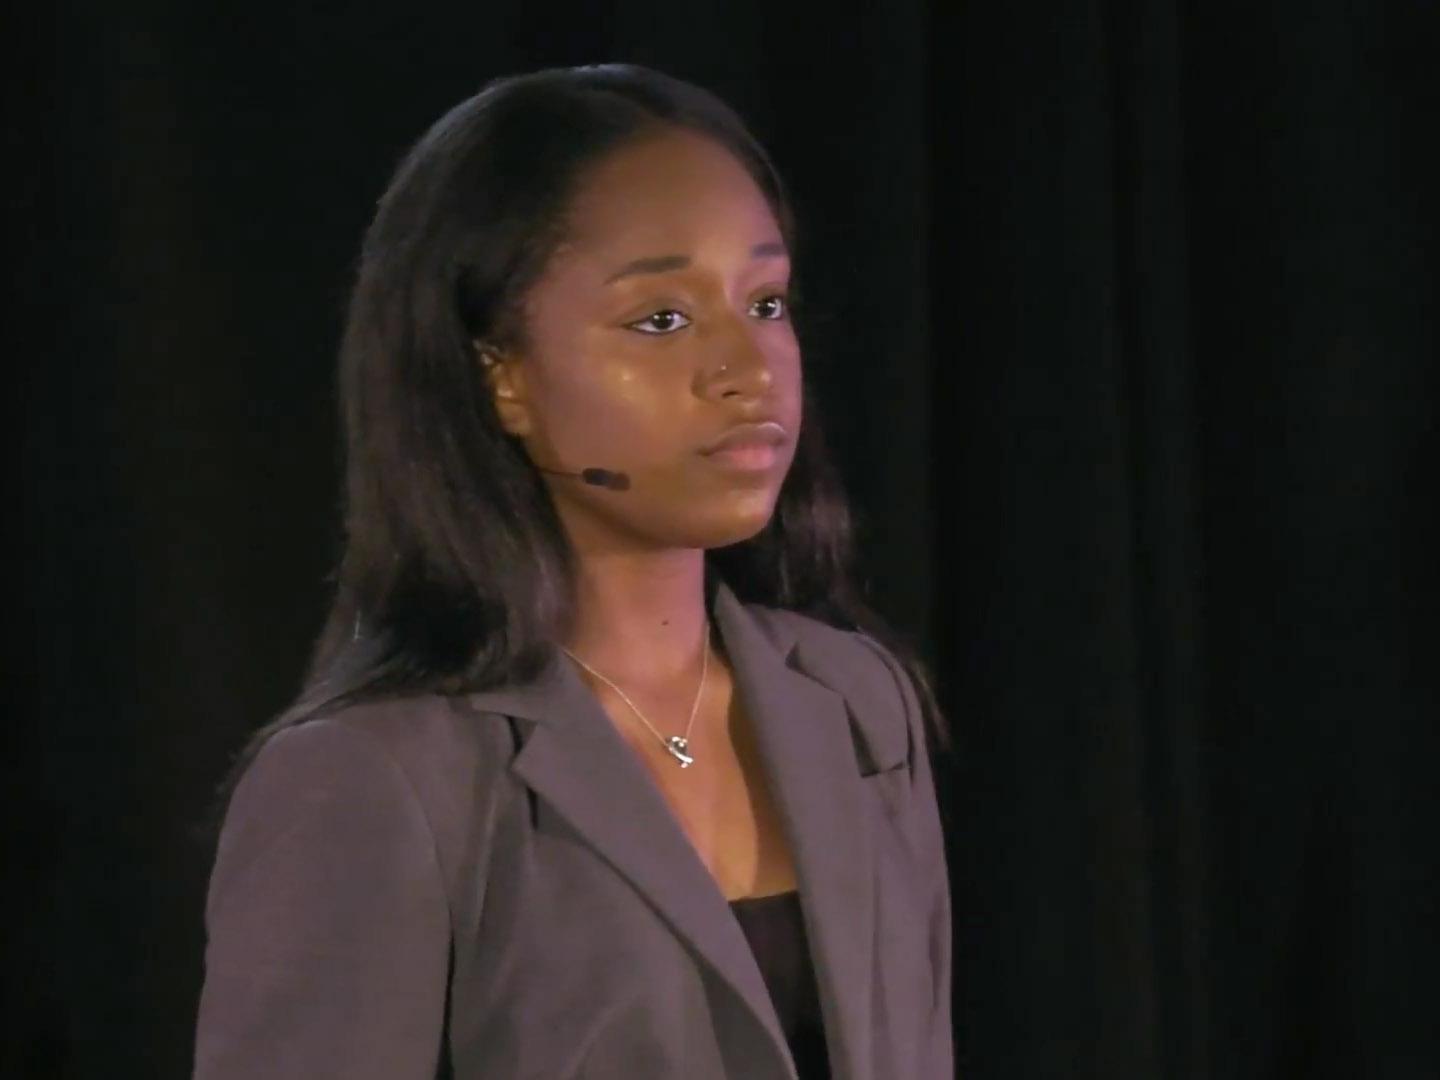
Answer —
775 929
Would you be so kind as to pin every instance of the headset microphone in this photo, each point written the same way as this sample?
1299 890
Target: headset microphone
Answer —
606 478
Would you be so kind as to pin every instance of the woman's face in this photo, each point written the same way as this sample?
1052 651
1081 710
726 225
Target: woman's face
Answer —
660 323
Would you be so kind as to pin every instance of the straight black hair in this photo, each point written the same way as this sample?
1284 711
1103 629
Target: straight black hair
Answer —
455 572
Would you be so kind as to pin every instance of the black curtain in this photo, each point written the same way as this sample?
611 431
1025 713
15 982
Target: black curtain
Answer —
1127 345
1191 341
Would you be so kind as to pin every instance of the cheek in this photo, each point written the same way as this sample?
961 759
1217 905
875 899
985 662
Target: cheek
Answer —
788 368
605 399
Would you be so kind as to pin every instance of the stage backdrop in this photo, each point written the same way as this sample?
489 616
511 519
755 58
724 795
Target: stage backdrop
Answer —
1125 334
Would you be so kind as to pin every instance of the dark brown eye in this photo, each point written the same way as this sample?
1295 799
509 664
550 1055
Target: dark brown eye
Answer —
661 322
779 304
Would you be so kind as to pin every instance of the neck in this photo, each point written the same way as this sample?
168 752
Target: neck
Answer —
640 620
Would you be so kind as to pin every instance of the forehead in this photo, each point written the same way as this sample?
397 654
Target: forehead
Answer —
673 192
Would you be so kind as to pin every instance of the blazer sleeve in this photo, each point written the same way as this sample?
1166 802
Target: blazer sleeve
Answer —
939 1052
327 924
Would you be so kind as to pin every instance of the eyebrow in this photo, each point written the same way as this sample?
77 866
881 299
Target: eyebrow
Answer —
660 264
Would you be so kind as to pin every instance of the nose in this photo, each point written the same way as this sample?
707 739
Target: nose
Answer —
741 361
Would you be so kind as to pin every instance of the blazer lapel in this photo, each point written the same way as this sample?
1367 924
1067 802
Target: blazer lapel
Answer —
803 733
575 760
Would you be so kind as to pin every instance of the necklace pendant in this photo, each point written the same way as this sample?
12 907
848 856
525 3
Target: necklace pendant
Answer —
677 745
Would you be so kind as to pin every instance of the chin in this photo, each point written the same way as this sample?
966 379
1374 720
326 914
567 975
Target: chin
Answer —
738 528
707 521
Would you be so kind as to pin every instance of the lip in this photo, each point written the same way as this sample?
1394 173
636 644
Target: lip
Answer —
747 457
744 442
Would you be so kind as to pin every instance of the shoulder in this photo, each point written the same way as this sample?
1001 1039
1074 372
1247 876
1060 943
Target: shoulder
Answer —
429 737
415 740
853 660
872 680
420 770
328 899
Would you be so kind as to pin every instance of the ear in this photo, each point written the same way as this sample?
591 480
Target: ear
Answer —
505 377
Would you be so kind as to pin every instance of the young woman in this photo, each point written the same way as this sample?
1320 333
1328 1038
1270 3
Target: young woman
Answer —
602 768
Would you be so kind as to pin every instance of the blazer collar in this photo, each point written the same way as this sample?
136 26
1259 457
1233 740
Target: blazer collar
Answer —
575 760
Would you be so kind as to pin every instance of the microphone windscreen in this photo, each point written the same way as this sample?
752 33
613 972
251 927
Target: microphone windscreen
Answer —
615 481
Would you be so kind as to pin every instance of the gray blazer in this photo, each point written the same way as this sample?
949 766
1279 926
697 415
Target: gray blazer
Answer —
492 886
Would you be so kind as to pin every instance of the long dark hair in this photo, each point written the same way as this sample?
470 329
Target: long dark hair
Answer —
455 572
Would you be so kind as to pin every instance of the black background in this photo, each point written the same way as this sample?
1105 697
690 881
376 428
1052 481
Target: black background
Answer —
1127 347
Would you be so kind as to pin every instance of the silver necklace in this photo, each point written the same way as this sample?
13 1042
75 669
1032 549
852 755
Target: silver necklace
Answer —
677 745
